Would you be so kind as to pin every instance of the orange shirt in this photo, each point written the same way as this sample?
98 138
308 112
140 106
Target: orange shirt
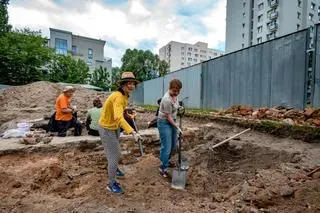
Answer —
63 102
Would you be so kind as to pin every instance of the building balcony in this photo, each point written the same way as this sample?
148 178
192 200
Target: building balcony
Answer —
273 26
273 15
273 3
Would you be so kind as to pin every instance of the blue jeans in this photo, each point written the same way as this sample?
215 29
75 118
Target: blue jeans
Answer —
168 140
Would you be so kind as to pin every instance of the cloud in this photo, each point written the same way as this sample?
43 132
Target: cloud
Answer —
147 24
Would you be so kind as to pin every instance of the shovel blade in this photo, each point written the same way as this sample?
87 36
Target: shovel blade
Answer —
179 179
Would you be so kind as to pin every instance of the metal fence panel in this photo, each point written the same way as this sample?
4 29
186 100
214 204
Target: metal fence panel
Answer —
316 94
191 85
269 74
137 96
153 90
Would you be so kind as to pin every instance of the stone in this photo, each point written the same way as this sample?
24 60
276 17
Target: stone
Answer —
255 114
286 191
212 206
316 175
316 122
29 141
308 112
288 121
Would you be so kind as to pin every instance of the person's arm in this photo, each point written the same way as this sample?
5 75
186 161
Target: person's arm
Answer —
166 109
118 116
64 106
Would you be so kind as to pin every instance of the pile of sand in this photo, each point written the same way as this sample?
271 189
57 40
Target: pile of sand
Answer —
37 100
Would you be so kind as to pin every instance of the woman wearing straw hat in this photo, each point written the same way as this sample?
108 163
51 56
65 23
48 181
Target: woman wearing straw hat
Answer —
111 120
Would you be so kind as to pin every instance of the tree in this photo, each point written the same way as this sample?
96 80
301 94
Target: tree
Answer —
23 54
144 64
101 78
68 70
115 77
4 26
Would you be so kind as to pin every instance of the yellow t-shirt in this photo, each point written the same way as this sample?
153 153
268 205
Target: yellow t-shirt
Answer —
112 113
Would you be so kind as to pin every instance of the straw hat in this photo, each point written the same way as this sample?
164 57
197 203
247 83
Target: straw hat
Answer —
128 76
68 88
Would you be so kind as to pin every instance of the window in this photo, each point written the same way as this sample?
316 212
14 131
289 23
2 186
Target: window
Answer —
189 54
209 57
298 26
190 49
313 6
182 63
298 15
182 53
243 25
196 50
74 50
196 55
182 58
271 36
260 18
299 3
260 6
203 51
90 53
215 54
319 9
242 35
189 59
182 48
310 16
243 4
61 46
189 64
242 45
259 40
195 60
243 15
260 29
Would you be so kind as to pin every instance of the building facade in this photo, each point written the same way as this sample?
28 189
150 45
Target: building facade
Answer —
251 22
87 49
180 55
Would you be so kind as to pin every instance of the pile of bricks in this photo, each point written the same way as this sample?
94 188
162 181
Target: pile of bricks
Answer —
288 115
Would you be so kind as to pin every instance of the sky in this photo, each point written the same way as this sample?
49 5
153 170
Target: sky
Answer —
142 24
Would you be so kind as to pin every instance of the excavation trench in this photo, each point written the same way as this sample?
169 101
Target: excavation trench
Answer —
247 174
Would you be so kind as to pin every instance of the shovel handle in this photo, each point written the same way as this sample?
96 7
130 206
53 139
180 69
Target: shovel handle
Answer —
228 139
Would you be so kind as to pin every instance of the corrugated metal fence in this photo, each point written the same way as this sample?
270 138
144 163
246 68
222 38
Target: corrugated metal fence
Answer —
272 73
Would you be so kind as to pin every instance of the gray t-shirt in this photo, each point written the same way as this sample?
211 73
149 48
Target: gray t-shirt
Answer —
169 106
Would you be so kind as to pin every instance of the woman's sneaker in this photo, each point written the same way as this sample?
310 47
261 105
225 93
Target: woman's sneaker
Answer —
164 173
115 188
119 173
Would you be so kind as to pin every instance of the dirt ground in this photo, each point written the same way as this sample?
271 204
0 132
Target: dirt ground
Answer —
256 173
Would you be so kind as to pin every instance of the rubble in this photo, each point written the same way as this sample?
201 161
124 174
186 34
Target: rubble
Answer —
287 115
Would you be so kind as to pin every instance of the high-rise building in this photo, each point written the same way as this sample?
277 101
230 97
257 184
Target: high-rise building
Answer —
251 22
180 55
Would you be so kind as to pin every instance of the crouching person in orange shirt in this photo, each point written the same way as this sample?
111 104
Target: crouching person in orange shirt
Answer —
66 116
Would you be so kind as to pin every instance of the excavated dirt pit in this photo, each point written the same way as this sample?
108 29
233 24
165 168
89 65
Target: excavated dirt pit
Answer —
254 174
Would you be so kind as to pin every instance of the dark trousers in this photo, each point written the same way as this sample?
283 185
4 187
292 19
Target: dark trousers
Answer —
93 132
63 127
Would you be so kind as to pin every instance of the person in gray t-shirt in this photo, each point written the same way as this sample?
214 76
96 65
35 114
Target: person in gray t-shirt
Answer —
167 126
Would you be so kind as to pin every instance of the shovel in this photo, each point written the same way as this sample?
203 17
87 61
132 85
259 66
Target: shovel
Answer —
139 141
179 175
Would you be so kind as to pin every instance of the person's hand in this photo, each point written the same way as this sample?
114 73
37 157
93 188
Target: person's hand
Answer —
74 108
136 136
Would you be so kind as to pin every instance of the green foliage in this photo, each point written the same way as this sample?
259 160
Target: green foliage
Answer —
68 70
144 64
101 78
23 54
4 26
116 75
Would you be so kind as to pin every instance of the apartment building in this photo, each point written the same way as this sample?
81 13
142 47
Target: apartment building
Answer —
251 22
180 55
87 49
